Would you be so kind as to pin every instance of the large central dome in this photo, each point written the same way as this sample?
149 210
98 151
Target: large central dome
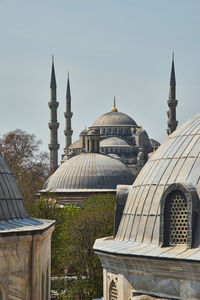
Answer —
114 119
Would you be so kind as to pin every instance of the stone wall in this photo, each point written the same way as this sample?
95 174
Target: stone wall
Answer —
25 266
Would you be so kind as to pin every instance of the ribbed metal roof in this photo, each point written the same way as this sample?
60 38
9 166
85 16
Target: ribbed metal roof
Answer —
91 171
177 160
114 119
11 203
113 141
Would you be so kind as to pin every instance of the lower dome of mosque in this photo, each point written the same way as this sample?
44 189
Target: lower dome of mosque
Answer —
89 171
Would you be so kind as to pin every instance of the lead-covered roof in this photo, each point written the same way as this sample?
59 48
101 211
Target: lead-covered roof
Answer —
89 171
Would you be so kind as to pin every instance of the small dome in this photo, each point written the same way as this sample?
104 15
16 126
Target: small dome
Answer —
76 145
113 141
89 171
11 203
93 131
176 161
84 132
114 119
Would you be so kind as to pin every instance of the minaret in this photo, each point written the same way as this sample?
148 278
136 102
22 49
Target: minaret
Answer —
172 102
68 116
53 124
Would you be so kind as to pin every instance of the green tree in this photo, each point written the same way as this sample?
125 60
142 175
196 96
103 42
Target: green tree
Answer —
46 209
29 165
93 221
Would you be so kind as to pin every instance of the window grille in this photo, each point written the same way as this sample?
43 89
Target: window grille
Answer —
113 291
178 219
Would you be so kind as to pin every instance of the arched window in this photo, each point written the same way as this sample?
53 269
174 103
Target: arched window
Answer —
179 206
1 297
176 221
112 291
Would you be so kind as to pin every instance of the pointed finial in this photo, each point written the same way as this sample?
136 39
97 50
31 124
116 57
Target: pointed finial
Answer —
53 76
172 77
114 109
68 94
85 127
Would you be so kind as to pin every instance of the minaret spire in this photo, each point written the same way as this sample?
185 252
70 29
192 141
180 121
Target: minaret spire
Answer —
68 116
172 102
53 124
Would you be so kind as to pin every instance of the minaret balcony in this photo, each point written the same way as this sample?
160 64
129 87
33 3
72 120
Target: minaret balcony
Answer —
172 103
68 132
53 146
53 125
53 104
172 124
68 115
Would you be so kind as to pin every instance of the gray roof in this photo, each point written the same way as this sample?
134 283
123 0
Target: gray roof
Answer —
89 171
13 215
114 119
76 144
113 141
111 246
176 161
24 226
11 203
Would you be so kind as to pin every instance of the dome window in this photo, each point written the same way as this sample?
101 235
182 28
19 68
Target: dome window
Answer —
176 218
179 207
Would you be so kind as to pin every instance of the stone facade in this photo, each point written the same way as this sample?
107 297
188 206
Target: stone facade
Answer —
25 261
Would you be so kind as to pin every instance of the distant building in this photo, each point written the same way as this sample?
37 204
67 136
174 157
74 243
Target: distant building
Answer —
120 141
87 173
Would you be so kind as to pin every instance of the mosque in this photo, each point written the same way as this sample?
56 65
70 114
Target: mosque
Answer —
110 152
154 252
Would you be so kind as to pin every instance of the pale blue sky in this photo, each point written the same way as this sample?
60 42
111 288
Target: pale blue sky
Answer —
110 47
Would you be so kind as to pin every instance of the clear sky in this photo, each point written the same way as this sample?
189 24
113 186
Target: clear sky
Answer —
110 47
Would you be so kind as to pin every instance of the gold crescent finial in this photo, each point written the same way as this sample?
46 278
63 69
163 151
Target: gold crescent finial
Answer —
52 59
68 74
154 147
173 55
114 109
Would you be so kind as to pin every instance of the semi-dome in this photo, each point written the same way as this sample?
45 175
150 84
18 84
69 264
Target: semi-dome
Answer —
174 166
113 141
114 118
76 144
11 203
89 171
